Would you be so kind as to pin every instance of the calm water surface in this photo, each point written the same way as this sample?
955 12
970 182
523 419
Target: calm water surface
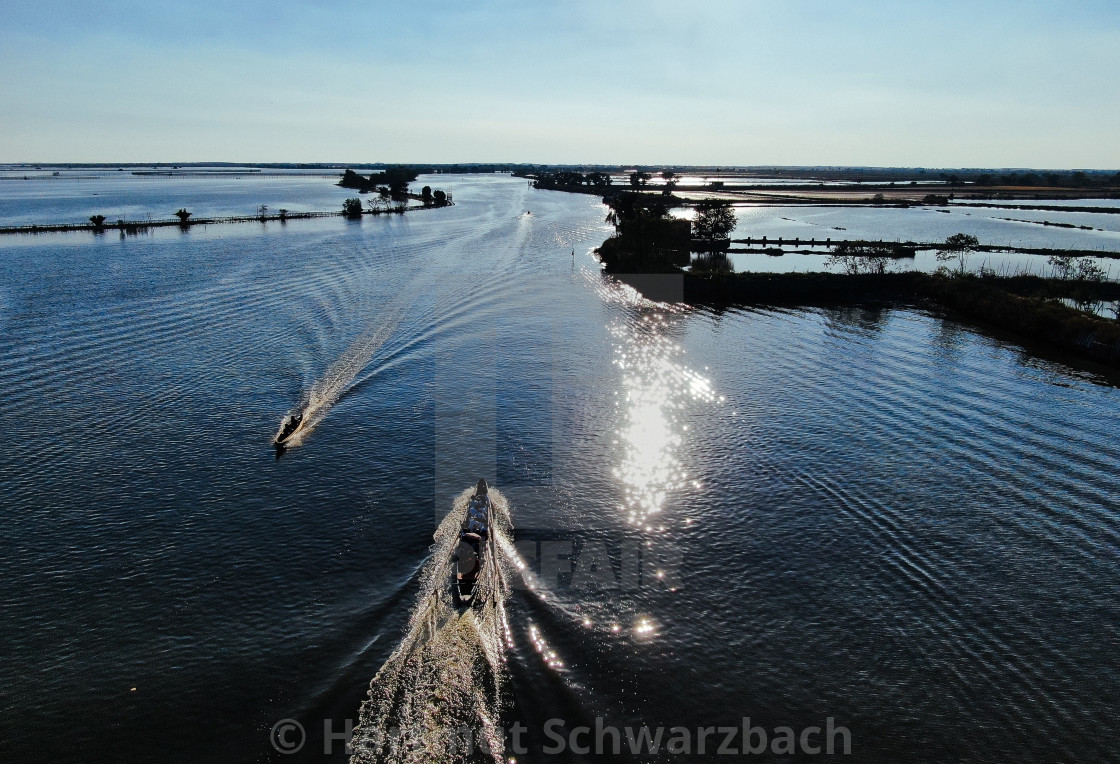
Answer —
882 517
34 197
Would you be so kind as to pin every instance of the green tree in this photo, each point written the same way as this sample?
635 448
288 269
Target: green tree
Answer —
860 258
1089 276
715 220
639 178
351 179
958 247
1087 270
599 180
398 178
98 221
352 208
183 216
670 179
1063 266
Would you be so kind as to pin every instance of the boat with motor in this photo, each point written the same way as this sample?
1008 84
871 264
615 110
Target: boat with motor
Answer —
475 546
292 424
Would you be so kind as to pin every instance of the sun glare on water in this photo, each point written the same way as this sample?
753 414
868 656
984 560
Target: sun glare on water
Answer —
656 386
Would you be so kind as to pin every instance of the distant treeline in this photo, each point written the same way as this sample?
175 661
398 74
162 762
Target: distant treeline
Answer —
1078 179
952 176
573 180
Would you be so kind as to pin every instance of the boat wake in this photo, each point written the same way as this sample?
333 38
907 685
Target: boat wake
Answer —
439 695
338 378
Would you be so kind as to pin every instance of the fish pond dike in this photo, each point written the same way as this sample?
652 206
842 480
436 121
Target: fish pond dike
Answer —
141 226
881 248
1030 307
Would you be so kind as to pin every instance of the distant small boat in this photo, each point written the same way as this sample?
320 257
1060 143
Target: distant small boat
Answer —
292 424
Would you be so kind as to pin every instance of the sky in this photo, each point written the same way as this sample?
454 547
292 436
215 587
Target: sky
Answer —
707 82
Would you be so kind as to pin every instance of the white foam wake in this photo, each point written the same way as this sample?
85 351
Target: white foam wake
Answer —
338 378
438 697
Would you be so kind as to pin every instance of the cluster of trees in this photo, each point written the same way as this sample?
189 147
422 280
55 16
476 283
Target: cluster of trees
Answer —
394 180
714 222
573 180
385 202
352 207
391 187
639 179
1086 279
436 198
648 239
867 257
874 257
1087 275
1068 267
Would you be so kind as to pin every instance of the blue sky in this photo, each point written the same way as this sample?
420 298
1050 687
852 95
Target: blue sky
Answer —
831 82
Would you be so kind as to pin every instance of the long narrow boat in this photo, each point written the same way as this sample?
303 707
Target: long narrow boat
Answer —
475 547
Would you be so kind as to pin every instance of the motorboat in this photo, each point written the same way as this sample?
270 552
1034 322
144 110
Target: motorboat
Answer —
292 424
475 546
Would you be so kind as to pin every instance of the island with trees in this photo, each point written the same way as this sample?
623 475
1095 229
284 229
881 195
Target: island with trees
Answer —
392 188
